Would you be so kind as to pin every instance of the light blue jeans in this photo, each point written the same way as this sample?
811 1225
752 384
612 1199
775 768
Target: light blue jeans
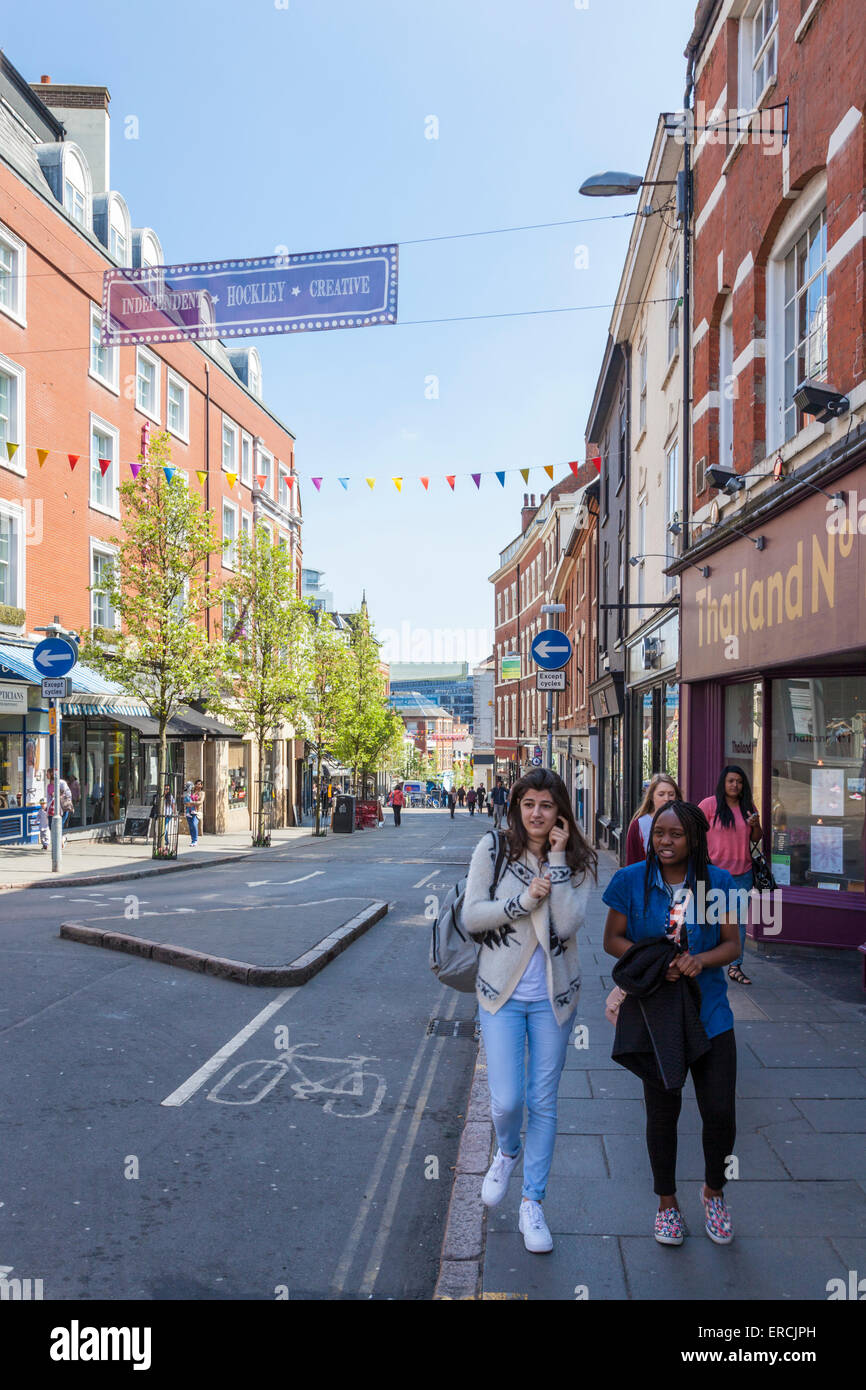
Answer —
506 1034
742 881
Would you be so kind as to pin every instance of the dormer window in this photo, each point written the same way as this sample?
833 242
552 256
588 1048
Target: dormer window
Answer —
75 188
255 374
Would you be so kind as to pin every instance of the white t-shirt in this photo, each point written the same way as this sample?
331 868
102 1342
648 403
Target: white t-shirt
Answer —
532 984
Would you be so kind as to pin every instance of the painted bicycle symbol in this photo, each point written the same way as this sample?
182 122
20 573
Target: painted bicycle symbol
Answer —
345 1082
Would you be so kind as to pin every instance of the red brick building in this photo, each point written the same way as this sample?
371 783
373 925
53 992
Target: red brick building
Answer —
773 640
521 584
61 227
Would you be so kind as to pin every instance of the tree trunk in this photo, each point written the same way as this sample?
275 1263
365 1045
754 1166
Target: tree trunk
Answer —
318 796
161 761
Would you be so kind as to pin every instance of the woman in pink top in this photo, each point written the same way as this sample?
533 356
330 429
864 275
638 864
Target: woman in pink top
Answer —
661 790
734 824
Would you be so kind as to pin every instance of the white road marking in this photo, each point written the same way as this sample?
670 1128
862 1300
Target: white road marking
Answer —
236 907
213 1064
371 1273
348 1255
284 882
426 879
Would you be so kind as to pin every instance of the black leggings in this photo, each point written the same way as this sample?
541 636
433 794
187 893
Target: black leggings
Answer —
715 1078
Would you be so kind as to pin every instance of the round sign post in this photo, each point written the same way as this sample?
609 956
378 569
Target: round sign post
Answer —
55 656
551 650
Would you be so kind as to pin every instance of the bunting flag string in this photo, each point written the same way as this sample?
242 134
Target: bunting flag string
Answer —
261 479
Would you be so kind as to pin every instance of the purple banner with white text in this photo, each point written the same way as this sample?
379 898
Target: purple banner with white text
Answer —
354 288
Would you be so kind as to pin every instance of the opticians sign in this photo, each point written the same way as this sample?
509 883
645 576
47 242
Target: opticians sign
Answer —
302 293
13 699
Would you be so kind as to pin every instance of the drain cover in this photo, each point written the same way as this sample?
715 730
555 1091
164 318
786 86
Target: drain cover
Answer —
452 1028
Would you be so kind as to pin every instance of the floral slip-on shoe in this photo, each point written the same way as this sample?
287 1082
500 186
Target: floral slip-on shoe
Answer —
718 1223
670 1226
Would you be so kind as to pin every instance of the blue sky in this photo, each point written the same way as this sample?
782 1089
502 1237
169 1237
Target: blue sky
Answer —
305 126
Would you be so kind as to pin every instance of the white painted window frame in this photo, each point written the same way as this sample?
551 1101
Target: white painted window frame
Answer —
175 379
18 309
142 353
113 474
17 464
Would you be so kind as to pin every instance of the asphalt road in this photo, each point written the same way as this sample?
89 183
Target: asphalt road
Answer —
168 1135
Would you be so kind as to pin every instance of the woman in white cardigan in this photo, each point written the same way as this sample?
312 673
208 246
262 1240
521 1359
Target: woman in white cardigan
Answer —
528 979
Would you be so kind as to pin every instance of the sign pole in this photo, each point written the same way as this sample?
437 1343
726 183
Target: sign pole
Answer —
550 729
56 817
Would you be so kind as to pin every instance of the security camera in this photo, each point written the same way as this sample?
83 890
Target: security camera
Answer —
725 479
822 401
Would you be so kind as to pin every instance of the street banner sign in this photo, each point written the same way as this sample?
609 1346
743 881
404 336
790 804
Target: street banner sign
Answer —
302 293
511 666
550 680
56 656
550 649
56 687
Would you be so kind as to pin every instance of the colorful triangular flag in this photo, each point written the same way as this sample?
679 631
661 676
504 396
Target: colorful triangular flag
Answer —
12 450
169 473
476 478
548 468
289 480
371 483
261 479
73 459
597 463
344 481
501 477
425 483
524 473
398 483
42 455
134 469
574 465
317 484
449 478
232 477
104 465
200 473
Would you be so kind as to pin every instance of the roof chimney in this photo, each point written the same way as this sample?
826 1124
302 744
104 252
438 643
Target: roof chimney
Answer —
84 113
43 78
527 511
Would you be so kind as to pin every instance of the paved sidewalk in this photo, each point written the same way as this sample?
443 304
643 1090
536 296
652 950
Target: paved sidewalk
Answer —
798 1202
94 861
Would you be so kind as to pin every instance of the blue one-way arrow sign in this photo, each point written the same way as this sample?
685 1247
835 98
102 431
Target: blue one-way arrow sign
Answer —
56 656
551 649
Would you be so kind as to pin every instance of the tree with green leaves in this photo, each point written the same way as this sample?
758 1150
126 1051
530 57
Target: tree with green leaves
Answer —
385 743
327 703
159 587
264 650
366 727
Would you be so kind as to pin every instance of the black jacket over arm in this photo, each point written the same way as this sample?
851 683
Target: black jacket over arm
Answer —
659 1031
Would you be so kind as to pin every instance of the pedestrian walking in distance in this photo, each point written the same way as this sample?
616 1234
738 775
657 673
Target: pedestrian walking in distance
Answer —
452 801
470 800
481 795
397 802
499 800
661 789
640 899
734 823
461 796
528 979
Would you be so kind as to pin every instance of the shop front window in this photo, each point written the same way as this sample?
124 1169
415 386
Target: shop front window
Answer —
11 771
94 789
237 774
35 768
72 757
672 731
744 734
646 744
115 742
819 782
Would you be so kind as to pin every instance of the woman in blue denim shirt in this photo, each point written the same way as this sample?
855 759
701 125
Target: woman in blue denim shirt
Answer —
639 899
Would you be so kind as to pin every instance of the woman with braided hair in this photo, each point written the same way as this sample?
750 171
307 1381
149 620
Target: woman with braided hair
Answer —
640 899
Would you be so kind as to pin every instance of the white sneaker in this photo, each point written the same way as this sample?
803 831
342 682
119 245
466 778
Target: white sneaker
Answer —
495 1184
531 1222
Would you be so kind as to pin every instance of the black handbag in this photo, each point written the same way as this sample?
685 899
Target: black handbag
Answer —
762 877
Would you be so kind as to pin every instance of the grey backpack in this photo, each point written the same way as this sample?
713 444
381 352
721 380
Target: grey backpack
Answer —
453 952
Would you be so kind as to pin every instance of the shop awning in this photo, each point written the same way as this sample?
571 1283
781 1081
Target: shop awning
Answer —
188 725
108 698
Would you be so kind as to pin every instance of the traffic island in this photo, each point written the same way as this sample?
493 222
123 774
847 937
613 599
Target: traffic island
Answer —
311 957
